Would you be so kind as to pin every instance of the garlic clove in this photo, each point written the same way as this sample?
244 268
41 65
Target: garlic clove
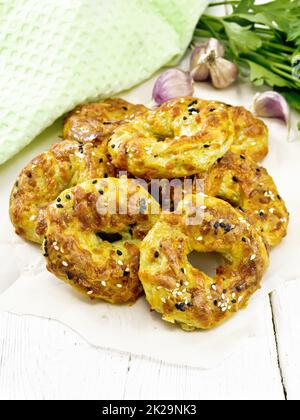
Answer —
171 84
223 72
198 66
272 105
215 45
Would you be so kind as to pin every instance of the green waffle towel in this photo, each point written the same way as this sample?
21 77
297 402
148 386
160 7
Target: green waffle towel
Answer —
56 54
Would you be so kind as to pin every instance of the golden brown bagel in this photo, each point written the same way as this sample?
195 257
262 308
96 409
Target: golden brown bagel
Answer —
64 165
251 134
94 248
183 294
98 120
180 138
246 185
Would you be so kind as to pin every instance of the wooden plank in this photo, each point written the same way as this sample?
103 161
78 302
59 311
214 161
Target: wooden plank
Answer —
285 303
42 359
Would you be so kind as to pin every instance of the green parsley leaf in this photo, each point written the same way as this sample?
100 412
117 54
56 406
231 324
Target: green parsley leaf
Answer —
260 75
241 38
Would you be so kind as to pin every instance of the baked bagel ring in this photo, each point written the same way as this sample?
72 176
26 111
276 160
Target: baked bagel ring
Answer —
180 138
95 252
251 134
64 165
183 294
98 120
246 185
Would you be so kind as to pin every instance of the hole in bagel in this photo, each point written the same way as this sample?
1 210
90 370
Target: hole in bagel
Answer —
109 237
206 262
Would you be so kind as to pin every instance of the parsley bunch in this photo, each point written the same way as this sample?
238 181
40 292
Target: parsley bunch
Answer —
264 40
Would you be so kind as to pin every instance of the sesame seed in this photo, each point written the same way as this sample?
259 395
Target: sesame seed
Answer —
65 264
253 257
120 262
214 287
90 292
103 283
200 238
119 286
56 248
163 300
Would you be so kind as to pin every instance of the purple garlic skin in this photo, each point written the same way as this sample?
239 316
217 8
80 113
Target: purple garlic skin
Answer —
272 105
171 84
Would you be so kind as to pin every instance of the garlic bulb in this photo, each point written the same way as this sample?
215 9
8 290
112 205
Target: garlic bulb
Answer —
171 84
223 73
198 66
272 105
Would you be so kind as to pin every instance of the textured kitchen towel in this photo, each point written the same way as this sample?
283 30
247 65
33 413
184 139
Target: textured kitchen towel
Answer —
56 54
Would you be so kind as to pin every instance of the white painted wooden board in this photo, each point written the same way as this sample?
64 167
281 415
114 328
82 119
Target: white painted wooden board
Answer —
42 359
285 303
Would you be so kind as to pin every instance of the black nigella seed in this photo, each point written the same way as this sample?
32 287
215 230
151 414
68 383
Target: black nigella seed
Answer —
59 200
119 252
17 184
113 146
235 179
242 157
107 123
105 176
100 160
225 291
190 305
258 170
217 225
125 108
206 146
183 270
192 104
215 302
156 255
244 239
219 160
181 282
261 213
185 118
101 192
223 225
193 111
95 182
228 228
59 206
126 273
238 288
233 301
68 197
70 276
29 174
180 306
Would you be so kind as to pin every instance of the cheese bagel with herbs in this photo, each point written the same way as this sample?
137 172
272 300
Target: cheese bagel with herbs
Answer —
93 238
180 138
97 121
63 166
247 186
186 295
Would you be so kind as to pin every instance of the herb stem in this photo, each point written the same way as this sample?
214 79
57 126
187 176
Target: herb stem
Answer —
224 3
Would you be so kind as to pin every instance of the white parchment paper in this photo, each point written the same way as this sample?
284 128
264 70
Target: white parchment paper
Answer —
27 288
